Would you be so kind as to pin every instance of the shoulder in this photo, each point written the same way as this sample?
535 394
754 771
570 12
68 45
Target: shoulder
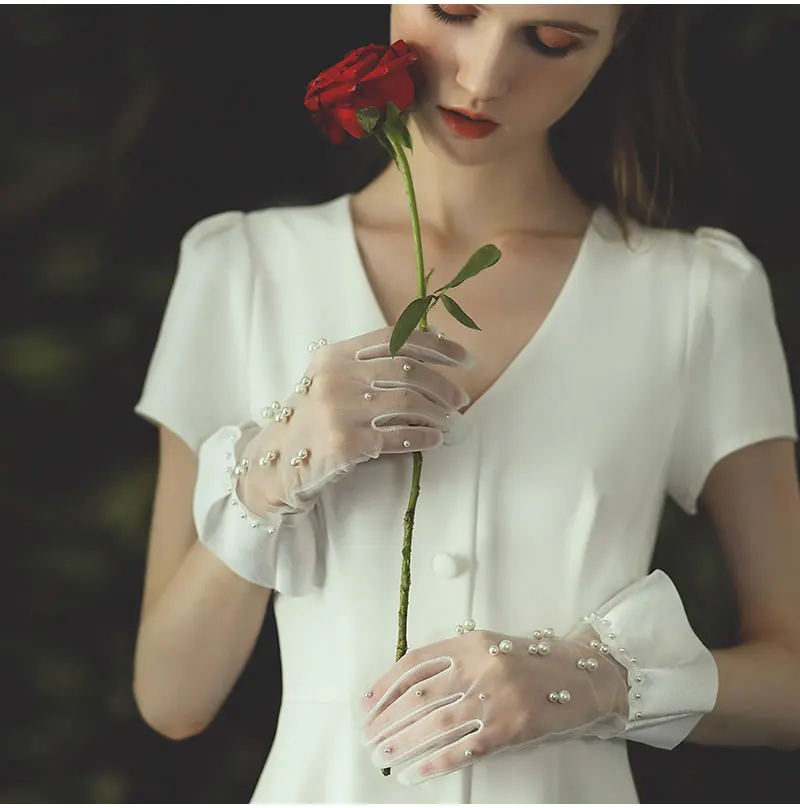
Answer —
225 236
706 262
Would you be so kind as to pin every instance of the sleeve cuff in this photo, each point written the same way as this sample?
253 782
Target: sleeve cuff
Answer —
280 551
672 676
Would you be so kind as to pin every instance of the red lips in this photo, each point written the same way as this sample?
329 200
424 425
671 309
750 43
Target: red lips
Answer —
473 116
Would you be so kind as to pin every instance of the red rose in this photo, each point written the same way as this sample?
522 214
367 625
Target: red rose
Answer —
371 76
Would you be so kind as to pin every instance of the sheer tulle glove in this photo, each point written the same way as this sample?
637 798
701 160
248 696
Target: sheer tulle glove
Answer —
354 403
452 703
257 484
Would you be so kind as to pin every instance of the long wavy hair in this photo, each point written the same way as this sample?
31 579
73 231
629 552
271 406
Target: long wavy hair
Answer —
632 135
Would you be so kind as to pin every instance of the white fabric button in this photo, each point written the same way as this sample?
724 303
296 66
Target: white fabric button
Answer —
446 565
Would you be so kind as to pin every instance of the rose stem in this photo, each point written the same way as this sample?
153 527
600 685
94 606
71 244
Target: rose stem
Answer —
408 519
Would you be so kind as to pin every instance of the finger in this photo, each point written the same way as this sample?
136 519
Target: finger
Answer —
463 752
422 345
430 736
398 680
388 374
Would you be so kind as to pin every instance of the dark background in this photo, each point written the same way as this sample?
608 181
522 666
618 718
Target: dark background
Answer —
120 127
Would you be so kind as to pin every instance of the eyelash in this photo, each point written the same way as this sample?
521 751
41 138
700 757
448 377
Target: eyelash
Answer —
531 38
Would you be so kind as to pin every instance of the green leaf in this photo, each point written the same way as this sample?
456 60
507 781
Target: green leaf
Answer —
459 313
427 278
483 258
408 321
368 117
392 112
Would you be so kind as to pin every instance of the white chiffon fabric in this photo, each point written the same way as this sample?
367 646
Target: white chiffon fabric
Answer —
657 360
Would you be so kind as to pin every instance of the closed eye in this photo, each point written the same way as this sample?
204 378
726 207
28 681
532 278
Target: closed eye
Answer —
546 40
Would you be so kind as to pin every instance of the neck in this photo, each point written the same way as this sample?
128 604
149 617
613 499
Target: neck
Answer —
463 201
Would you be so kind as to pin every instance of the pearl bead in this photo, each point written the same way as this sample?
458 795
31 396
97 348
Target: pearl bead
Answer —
603 649
606 622
299 388
637 696
387 750
581 663
459 629
549 633
312 346
270 530
494 650
469 624
637 715
322 342
612 636
482 696
294 462
275 406
564 696
243 516
467 753
638 678
537 635
440 335
266 412
407 444
368 396
417 692
543 648
591 664
303 454
622 650
633 660
368 694
406 367
506 646
552 697
594 644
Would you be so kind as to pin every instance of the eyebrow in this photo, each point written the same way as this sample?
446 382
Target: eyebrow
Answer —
567 25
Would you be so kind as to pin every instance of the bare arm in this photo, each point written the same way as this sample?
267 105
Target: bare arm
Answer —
199 620
753 498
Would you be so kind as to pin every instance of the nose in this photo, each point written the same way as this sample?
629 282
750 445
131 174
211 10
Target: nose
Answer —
484 66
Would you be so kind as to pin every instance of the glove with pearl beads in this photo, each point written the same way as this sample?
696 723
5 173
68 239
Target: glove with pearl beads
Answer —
354 403
452 703
257 484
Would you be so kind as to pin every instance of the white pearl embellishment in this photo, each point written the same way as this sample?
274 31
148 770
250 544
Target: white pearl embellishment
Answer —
494 650
506 646
469 624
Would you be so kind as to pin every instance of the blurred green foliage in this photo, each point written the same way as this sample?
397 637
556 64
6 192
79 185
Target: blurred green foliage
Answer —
120 127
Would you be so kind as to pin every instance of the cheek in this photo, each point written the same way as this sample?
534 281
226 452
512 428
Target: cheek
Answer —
553 92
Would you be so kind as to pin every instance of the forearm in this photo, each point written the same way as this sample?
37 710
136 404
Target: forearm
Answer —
194 642
758 702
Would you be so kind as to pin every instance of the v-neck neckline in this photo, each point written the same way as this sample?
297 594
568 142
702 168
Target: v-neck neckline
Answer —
550 321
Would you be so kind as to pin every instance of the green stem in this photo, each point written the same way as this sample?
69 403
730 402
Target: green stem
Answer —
408 519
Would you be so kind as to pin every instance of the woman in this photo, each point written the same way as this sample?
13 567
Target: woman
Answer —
618 362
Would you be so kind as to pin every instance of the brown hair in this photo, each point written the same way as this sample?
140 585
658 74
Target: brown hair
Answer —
632 135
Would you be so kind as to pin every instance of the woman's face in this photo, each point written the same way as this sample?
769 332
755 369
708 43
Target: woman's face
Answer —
522 65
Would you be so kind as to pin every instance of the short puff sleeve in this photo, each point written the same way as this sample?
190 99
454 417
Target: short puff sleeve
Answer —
737 389
197 380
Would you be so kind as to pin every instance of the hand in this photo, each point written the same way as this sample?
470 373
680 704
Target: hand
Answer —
354 403
452 703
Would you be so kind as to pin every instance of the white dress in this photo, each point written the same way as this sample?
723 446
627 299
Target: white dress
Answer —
654 363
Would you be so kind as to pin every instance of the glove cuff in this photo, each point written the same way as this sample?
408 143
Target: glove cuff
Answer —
672 676
279 550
